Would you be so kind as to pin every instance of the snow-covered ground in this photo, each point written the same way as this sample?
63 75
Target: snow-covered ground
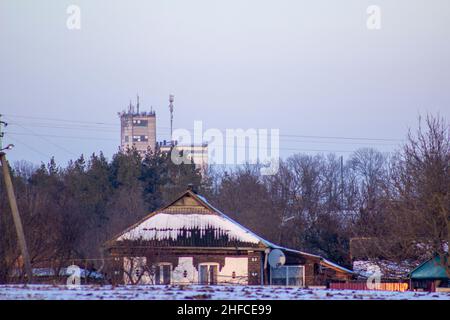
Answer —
92 292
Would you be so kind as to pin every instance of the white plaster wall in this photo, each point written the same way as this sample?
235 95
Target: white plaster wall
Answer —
185 263
239 265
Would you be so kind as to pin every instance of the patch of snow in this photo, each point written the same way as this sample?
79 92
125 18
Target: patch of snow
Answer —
63 272
184 292
388 269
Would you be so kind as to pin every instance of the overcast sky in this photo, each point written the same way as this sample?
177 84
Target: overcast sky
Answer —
309 68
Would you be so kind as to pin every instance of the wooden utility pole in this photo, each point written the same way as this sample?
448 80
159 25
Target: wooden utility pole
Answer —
15 210
342 183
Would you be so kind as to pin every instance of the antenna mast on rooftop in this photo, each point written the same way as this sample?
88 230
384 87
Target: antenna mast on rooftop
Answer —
137 104
171 98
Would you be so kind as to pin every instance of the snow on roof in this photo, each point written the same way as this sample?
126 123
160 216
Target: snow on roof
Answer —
170 222
332 264
164 226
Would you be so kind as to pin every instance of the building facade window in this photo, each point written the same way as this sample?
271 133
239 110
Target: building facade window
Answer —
163 273
288 276
207 273
140 123
140 138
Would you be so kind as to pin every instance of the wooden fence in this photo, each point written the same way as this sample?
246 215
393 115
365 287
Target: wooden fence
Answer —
383 286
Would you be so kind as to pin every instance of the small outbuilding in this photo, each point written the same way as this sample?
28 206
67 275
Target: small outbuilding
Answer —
189 241
431 275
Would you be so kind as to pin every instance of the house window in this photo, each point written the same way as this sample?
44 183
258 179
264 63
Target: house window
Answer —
288 276
162 273
207 273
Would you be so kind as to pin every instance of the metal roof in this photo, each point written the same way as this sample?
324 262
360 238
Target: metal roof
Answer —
430 269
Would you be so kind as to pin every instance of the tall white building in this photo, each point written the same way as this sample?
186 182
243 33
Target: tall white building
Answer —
196 153
137 129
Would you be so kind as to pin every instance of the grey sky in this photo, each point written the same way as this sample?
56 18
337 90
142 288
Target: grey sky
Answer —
305 67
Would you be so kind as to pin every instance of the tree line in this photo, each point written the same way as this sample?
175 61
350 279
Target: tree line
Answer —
372 205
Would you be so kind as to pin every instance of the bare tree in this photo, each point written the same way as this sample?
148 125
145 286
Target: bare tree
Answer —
420 193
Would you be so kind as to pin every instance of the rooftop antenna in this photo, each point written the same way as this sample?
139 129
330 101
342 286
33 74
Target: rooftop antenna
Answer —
137 105
171 98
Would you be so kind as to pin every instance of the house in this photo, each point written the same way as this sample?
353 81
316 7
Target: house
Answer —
431 274
189 241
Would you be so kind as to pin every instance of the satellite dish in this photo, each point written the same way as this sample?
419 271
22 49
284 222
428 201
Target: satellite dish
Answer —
276 258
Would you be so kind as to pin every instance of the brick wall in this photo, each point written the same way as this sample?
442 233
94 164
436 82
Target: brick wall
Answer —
255 259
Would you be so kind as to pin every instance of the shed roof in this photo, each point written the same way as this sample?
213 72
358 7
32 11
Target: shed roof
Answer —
434 268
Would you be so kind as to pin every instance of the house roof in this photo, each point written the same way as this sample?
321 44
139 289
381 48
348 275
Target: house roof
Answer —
187 212
433 268
334 266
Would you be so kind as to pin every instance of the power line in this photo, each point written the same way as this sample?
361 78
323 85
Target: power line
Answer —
49 141
29 147
96 138
339 142
341 138
59 120
289 139
281 135
88 125
72 126
76 123
59 136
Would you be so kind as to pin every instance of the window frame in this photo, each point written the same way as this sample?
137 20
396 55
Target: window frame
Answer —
160 267
302 267
208 265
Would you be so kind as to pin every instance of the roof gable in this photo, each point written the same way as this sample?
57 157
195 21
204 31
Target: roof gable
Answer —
431 269
188 203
